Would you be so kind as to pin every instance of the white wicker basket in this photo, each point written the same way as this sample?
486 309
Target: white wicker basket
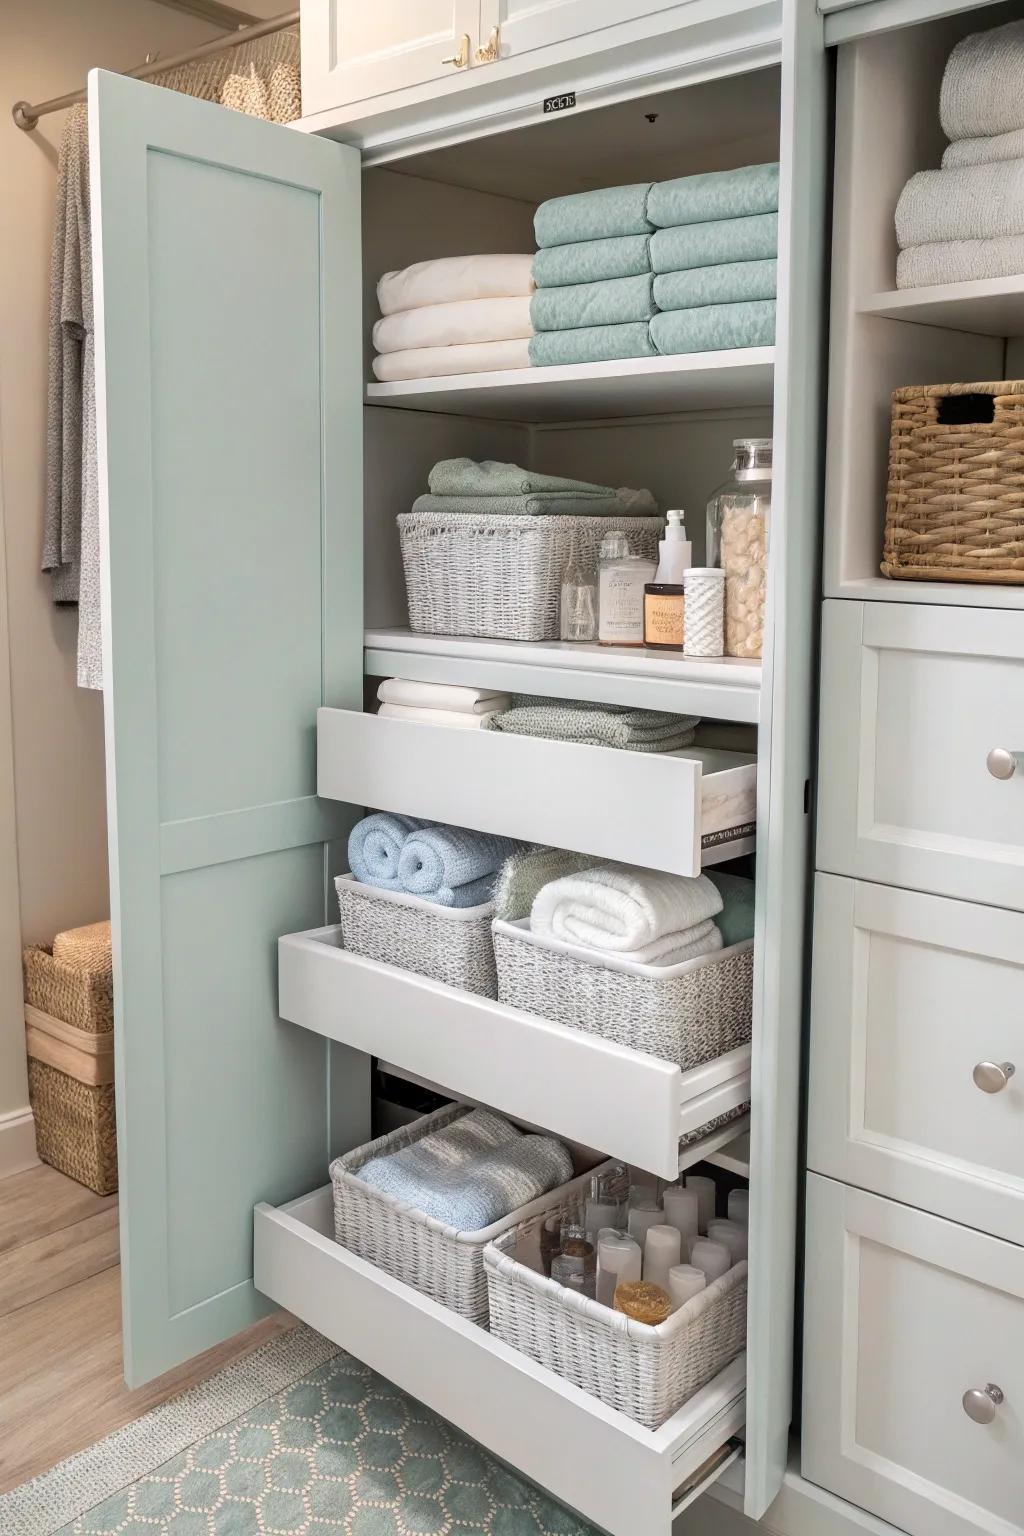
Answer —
449 944
688 1013
420 1250
501 577
647 1373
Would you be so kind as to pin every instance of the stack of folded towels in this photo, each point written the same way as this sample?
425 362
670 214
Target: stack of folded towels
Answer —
595 725
449 866
966 221
439 703
504 490
634 914
459 314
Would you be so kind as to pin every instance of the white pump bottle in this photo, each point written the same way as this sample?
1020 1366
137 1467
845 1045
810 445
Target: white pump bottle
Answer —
675 550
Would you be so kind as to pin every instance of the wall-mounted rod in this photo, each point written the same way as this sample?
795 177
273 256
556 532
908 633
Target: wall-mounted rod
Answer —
27 116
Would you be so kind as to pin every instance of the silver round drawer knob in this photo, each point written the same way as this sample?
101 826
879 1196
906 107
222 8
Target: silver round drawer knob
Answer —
980 1403
1001 763
993 1076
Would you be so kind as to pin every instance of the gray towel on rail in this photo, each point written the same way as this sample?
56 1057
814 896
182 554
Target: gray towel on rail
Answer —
978 202
981 91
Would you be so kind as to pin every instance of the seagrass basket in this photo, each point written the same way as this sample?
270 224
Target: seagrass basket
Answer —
954 508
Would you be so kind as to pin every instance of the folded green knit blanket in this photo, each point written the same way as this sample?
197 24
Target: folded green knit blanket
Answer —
611 302
599 725
591 344
593 215
490 477
751 189
709 245
620 503
736 282
715 327
591 261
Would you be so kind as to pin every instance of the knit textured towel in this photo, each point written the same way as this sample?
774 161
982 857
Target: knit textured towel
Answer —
523 875
981 88
591 261
443 362
959 261
441 696
621 503
450 325
714 244
734 283
978 202
639 914
612 302
736 919
452 866
598 215
1004 146
591 344
715 327
431 716
598 725
489 477
374 847
450 279
471 1173
739 194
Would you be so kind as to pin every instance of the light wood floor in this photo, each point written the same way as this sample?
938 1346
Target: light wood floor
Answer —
61 1387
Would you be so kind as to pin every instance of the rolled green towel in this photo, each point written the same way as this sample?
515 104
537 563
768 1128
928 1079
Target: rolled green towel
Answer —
734 283
592 344
490 477
710 245
612 302
736 919
621 503
593 215
714 328
736 194
591 261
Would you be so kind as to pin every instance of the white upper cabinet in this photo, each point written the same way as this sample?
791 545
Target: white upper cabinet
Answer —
352 51
524 25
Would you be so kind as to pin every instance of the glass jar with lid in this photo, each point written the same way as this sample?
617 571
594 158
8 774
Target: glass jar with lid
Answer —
737 541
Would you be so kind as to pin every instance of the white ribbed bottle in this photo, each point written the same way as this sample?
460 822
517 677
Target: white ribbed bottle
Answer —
704 589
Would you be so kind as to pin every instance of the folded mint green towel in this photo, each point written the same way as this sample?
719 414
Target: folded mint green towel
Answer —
711 245
713 328
737 194
612 302
591 261
489 477
592 344
733 283
621 503
735 922
593 215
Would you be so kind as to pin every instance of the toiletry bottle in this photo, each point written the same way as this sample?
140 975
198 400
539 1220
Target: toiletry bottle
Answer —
575 1264
579 600
622 578
663 597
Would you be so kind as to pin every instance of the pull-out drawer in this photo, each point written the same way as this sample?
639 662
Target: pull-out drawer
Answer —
921 780
629 1480
671 811
622 1102
913 1400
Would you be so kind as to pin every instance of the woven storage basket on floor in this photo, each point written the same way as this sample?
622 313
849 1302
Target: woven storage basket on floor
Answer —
76 1132
449 944
500 578
647 1373
954 509
688 1013
420 1250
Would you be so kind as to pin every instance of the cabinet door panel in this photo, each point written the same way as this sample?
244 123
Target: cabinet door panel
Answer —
352 51
529 24
226 253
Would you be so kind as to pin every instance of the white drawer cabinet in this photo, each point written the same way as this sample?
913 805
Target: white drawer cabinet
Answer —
913 701
917 1009
911 1326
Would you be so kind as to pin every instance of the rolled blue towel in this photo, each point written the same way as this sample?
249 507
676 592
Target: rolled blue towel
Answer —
697 199
714 328
453 866
736 919
709 245
612 302
591 344
595 215
591 261
736 282
375 845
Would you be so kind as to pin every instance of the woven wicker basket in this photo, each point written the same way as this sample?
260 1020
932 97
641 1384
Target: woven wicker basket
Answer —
501 577
76 1131
688 1013
644 1372
954 509
449 944
420 1250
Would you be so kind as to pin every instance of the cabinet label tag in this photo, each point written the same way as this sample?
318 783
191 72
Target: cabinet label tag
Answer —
559 103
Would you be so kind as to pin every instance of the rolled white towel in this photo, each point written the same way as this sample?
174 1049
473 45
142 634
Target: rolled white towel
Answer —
452 325
448 279
981 88
450 696
440 362
978 202
638 914
1003 146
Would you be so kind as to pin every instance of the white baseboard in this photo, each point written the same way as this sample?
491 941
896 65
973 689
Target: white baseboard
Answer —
17 1142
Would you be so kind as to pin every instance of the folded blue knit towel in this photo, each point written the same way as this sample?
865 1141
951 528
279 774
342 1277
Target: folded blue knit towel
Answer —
736 919
736 282
591 261
472 1172
614 301
715 327
374 846
594 215
735 194
710 245
453 866
591 344
490 477
621 503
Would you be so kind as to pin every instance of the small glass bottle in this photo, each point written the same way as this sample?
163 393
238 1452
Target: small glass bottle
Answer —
737 541
575 1265
579 600
604 1208
550 1241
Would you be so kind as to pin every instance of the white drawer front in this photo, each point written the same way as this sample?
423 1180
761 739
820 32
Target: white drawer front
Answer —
910 995
903 1315
913 700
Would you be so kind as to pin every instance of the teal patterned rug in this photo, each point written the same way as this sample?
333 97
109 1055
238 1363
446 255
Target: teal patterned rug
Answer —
340 1451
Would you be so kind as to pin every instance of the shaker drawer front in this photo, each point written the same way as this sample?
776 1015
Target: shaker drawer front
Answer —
922 711
917 1051
913 1366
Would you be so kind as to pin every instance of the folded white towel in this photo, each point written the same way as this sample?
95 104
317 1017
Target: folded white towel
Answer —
639 914
981 88
453 696
450 325
1003 146
438 362
959 261
974 203
451 278
452 717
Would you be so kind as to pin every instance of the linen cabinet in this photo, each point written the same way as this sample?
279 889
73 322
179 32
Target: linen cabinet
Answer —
250 482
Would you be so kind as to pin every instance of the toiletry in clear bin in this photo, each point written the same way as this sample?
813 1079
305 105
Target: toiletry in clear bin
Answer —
575 1264
737 541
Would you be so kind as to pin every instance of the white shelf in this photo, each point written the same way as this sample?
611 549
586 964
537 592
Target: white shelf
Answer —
636 386
734 1156
993 306
724 689
945 594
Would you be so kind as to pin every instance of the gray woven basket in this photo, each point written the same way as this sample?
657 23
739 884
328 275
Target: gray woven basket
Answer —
501 577
449 944
688 1013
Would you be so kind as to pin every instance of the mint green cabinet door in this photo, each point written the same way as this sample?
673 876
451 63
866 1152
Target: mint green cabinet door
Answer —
227 256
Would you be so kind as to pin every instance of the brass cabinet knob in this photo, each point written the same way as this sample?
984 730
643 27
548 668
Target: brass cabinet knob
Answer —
460 59
993 1076
488 52
980 1403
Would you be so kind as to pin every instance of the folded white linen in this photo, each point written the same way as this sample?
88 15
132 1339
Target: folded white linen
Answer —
454 696
638 914
959 261
975 202
981 87
451 278
450 325
1003 146
438 362
452 717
